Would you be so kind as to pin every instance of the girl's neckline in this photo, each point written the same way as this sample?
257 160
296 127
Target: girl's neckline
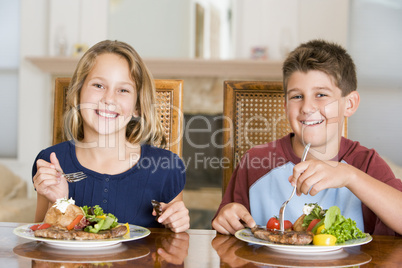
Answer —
102 175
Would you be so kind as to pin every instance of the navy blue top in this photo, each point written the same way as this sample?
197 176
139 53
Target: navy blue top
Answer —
159 175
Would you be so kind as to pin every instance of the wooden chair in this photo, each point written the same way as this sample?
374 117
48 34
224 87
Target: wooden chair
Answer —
254 113
169 94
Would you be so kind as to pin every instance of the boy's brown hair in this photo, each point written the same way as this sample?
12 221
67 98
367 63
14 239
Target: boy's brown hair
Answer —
320 55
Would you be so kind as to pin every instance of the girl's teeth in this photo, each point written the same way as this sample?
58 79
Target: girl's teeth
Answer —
107 115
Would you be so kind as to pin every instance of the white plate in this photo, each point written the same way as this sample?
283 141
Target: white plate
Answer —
246 236
136 232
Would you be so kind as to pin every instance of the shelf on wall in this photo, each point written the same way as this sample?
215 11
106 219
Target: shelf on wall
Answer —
179 68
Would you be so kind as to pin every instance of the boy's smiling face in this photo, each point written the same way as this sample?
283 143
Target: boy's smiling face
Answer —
315 109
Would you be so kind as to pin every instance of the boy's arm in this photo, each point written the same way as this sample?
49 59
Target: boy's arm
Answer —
385 201
233 211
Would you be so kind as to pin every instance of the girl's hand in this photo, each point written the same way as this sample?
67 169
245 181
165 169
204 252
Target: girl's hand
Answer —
172 249
232 218
48 181
174 216
313 176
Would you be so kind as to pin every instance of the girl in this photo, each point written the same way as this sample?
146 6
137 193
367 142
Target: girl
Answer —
111 125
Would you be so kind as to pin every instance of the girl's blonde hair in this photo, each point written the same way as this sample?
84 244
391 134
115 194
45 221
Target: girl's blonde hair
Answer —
145 129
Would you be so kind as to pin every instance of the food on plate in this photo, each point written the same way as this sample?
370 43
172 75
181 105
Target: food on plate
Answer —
324 240
56 233
287 237
63 213
312 214
321 227
273 224
329 221
65 220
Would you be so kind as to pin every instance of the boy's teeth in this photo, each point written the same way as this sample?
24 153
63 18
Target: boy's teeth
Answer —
309 123
107 115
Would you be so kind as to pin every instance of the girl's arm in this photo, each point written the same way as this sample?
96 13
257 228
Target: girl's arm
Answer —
49 185
42 205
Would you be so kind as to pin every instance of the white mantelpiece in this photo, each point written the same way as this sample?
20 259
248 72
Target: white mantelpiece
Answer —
239 69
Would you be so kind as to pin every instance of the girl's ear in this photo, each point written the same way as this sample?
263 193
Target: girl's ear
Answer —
352 103
136 112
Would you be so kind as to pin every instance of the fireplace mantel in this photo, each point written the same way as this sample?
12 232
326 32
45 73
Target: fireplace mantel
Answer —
180 68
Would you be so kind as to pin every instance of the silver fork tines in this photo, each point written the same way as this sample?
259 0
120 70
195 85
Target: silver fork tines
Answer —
282 209
74 177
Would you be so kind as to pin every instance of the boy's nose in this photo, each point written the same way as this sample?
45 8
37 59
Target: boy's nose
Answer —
308 107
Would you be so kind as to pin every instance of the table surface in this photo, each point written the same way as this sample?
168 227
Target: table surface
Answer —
194 248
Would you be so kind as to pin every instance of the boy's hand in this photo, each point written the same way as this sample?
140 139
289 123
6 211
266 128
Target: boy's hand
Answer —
313 176
230 218
175 216
226 247
48 181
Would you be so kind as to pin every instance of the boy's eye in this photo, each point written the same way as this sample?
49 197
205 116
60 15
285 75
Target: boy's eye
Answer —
296 97
321 95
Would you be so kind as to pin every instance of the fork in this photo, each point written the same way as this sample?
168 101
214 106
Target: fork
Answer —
282 209
73 177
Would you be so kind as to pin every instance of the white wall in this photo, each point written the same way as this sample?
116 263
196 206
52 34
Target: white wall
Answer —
34 95
156 28
39 19
282 25
76 22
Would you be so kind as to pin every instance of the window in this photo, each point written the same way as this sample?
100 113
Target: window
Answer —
9 64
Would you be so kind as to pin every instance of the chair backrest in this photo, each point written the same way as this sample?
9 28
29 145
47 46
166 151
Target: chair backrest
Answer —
254 113
169 97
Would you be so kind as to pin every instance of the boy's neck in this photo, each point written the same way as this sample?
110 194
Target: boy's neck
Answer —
325 152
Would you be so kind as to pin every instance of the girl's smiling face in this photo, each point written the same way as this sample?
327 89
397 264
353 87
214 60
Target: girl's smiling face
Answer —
315 109
108 97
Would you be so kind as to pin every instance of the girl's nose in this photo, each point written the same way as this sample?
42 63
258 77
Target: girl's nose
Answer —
108 97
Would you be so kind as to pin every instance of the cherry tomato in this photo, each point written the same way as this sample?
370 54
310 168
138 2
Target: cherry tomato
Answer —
273 223
40 226
324 240
312 224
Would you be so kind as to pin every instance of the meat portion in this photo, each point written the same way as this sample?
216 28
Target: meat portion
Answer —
288 237
58 233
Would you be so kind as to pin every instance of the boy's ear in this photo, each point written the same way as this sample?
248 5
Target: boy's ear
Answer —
352 103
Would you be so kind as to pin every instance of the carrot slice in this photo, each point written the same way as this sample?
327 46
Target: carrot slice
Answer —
74 222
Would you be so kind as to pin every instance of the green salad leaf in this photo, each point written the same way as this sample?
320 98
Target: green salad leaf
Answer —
99 219
331 216
344 229
316 213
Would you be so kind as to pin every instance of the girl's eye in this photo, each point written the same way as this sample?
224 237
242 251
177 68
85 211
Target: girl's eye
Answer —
124 90
320 95
98 85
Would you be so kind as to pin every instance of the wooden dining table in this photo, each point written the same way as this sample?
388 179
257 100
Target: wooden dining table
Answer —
194 248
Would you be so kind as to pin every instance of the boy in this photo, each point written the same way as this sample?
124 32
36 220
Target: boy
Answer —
319 80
